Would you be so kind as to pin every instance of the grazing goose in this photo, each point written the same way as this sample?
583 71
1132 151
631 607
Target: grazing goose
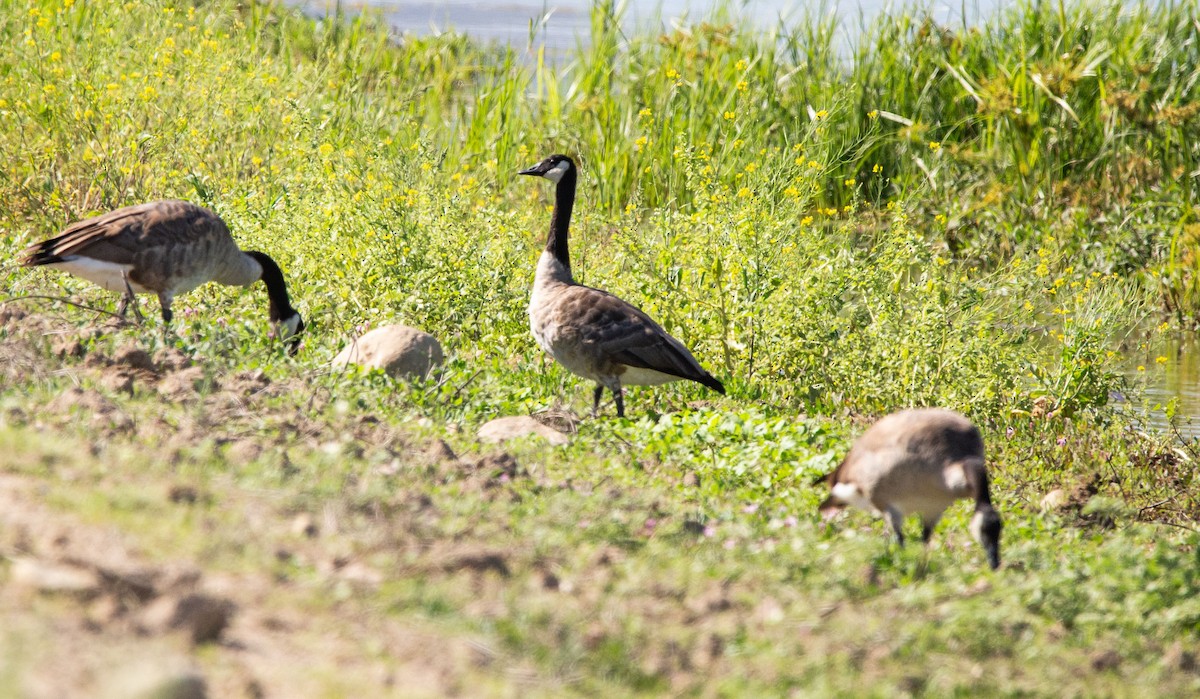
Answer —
164 247
591 332
917 461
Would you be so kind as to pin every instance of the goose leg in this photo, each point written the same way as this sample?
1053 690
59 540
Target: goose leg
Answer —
129 300
596 399
164 302
620 401
897 521
927 526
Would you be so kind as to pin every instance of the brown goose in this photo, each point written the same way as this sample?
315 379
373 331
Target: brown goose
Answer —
166 248
591 332
917 462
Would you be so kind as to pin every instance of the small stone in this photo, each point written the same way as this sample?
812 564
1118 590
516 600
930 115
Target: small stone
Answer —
155 679
1053 500
503 429
401 351
690 479
54 578
202 617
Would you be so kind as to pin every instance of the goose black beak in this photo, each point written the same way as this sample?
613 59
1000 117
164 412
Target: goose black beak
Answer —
535 171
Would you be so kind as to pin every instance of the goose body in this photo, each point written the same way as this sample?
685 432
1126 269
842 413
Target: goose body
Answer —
917 462
165 248
592 333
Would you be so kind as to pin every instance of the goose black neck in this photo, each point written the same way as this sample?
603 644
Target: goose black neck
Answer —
281 306
978 479
564 202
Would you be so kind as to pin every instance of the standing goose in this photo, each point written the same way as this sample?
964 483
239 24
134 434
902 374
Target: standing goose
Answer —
917 461
166 248
591 332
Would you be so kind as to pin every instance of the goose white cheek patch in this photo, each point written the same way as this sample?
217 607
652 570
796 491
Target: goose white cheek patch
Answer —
556 173
289 326
976 527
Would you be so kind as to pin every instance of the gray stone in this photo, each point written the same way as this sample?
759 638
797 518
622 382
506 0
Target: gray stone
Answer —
503 429
60 578
401 351
155 678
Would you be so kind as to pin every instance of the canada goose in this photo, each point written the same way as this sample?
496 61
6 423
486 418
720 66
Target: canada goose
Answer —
164 247
591 332
917 461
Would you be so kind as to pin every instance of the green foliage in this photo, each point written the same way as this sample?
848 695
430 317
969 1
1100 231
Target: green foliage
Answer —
969 218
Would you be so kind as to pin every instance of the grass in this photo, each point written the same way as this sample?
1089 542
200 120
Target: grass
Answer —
983 218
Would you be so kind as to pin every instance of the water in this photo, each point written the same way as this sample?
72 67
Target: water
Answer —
561 25
1169 371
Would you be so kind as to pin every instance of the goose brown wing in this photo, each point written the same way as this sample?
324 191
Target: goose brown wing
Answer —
626 335
119 236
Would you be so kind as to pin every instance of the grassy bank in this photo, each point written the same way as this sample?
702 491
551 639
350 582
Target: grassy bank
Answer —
981 219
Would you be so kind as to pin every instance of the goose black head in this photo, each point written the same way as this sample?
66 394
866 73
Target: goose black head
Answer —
290 330
552 168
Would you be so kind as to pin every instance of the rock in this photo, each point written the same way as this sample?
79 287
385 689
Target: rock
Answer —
503 429
401 351
48 577
1054 500
202 617
155 679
